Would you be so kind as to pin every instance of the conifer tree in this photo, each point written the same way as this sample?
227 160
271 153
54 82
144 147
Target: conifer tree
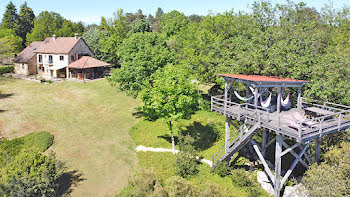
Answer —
10 18
26 21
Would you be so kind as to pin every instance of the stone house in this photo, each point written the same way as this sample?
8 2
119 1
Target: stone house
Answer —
55 55
26 62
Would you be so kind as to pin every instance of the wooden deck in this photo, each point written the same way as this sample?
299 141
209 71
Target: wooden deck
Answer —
292 123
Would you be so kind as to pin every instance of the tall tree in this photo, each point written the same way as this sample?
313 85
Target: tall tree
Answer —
45 25
26 21
172 22
112 33
10 18
142 54
159 13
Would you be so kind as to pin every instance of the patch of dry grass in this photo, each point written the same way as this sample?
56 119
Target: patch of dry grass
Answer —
90 123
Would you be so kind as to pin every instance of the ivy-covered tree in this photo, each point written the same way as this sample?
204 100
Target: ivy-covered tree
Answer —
142 54
26 21
10 19
172 96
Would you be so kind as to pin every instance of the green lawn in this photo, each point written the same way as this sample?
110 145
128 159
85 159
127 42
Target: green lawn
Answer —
207 128
90 123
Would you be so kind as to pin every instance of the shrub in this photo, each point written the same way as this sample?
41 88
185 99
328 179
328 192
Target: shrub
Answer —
31 174
36 142
331 177
222 169
143 182
239 177
177 186
212 190
6 69
186 162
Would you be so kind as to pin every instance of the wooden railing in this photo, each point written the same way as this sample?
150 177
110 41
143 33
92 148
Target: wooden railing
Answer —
338 119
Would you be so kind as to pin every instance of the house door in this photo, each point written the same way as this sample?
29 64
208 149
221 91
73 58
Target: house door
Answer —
51 73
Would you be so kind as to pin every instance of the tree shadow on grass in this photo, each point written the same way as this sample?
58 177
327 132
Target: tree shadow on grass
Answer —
167 137
67 180
138 112
204 135
2 96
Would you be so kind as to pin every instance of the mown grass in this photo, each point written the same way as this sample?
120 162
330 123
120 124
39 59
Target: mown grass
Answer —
207 128
90 123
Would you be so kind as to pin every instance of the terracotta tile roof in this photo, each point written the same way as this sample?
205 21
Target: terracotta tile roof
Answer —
59 45
260 78
28 52
87 62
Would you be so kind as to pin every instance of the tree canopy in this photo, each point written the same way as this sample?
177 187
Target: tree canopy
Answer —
10 18
142 54
172 96
47 24
26 21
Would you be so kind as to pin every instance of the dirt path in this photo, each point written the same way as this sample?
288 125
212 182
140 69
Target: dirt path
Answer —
151 149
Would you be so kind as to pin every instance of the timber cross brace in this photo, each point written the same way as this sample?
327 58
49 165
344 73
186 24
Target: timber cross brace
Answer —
275 179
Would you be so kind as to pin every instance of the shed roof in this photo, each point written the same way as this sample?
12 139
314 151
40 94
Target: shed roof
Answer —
28 52
58 45
264 79
88 62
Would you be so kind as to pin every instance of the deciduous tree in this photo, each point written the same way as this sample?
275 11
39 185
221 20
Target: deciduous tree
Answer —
172 96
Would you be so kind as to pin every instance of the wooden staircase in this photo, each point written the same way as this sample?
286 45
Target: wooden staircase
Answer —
240 138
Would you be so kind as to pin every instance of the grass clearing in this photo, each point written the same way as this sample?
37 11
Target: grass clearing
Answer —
207 128
90 123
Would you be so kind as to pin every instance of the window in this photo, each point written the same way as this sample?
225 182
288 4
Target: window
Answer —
40 58
72 57
50 59
61 57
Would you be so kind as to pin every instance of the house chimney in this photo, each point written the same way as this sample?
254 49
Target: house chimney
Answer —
76 35
54 37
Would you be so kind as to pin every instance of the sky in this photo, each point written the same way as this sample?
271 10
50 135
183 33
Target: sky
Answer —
91 11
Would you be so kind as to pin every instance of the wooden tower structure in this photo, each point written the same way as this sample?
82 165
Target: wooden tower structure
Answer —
303 121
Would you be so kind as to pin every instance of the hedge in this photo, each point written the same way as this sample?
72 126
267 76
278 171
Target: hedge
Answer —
6 69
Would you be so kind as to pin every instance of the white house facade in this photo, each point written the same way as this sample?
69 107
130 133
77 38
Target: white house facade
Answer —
60 57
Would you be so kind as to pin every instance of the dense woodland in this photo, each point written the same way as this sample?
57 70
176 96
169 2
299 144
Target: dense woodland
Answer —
148 53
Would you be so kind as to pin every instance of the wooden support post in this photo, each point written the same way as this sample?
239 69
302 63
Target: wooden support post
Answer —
67 72
256 94
227 135
225 97
299 104
279 100
277 185
317 149
264 141
247 92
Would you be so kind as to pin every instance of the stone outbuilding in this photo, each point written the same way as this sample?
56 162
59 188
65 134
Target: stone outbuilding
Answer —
26 62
